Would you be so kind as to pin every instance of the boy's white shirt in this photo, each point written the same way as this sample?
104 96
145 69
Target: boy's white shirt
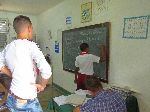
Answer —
19 56
85 63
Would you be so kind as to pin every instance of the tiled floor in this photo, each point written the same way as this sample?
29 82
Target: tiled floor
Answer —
48 93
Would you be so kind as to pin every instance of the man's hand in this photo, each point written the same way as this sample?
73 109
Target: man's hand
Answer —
39 87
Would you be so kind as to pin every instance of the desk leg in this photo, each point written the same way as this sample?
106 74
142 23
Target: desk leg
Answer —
53 104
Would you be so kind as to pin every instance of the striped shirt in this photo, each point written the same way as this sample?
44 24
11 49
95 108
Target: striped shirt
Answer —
105 101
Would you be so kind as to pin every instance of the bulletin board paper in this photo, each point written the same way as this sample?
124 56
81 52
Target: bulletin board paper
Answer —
86 12
136 27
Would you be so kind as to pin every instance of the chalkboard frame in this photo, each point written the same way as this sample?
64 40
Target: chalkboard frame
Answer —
107 25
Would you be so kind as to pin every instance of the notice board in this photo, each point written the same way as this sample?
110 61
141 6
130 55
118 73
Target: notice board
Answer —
94 35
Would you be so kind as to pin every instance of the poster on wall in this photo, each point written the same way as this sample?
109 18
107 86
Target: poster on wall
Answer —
56 47
68 20
86 12
136 27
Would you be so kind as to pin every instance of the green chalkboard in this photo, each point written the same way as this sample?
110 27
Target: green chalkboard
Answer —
94 35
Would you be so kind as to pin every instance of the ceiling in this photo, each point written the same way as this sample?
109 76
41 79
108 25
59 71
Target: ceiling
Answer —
28 6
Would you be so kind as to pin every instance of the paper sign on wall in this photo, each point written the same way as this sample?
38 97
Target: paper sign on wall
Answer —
68 20
56 46
136 27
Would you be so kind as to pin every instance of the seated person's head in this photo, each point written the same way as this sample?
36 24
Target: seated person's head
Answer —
93 84
84 47
23 27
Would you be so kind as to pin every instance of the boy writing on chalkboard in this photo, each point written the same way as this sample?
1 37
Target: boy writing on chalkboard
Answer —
84 64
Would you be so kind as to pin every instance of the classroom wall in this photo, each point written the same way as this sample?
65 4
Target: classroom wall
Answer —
10 16
129 58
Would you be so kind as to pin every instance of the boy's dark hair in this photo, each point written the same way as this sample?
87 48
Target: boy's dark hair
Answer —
84 46
20 22
93 83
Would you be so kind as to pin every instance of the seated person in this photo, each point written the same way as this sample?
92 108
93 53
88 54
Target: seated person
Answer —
103 100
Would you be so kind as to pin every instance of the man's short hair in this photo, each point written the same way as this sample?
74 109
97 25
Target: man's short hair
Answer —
93 83
20 23
84 46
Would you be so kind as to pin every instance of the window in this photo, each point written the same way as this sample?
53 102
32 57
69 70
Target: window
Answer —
4 28
3 40
4 25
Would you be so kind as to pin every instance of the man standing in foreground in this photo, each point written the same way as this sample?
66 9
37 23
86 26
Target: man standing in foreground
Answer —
103 100
18 56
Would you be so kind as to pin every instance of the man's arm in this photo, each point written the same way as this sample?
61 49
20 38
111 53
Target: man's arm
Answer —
43 67
76 109
76 74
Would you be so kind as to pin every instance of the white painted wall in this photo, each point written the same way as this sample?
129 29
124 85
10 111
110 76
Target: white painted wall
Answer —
129 58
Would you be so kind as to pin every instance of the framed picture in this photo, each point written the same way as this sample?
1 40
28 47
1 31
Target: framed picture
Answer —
86 12
136 27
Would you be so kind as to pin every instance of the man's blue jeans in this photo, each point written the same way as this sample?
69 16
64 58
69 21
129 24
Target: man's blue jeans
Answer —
30 106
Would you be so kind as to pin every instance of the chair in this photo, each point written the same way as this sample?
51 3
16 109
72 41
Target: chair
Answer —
4 87
132 104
